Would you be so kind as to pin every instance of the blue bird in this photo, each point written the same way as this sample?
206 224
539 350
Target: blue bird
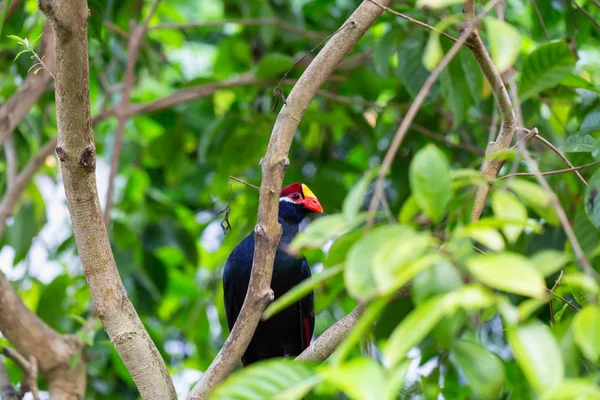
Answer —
289 332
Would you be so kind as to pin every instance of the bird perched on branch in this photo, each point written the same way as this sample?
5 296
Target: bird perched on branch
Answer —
289 332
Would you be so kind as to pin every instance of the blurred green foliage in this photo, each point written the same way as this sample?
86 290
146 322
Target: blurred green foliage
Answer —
481 323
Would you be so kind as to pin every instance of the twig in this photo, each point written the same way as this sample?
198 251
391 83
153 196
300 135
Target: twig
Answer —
7 390
278 22
225 224
573 306
15 108
559 171
562 216
556 282
277 91
586 13
596 3
244 183
414 21
274 163
414 108
12 196
30 371
136 38
539 15
536 134
12 163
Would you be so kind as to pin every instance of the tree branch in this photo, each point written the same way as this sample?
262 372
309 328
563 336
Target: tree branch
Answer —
12 196
15 108
274 163
33 338
136 38
414 108
7 390
77 156
559 171
278 22
12 162
30 372
491 168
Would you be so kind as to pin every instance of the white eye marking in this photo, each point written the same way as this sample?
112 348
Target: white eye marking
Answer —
286 199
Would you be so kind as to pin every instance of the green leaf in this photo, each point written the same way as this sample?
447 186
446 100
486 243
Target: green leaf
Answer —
509 272
17 39
411 71
583 287
545 67
439 278
354 199
19 54
580 143
549 261
436 3
591 123
430 181
413 329
358 275
273 65
577 82
454 86
272 379
22 231
587 325
360 378
538 355
433 51
535 197
486 235
504 41
573 389
409 210
300 291
322 230
342 245
592 199
508 207
483 369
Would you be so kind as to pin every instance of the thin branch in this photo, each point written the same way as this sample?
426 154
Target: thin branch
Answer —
491 168
573 306
30 372
559 171
536 134
415 21
586 13
15 108
278 22
77 154
12 196
550 305
539 15
244 182
274 163
596 3
329 340
562 216
136 38
414 108
7 390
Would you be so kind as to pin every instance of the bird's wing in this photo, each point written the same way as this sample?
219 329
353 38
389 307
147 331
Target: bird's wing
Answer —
232 302
307 305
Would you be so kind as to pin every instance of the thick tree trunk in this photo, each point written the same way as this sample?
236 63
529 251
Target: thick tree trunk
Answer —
77 156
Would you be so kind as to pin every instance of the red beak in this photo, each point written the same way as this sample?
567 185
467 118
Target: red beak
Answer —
312 204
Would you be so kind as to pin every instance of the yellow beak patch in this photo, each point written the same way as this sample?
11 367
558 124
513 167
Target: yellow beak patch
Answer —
307 192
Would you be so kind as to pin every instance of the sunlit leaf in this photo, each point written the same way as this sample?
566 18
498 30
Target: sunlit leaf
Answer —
549 261
587 325
504 41
433 51
322 230
360 378
510 272
354 199
483 369
538 355
431 182
508 207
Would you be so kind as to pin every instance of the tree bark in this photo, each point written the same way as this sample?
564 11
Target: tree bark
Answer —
274 163
77 156
32 337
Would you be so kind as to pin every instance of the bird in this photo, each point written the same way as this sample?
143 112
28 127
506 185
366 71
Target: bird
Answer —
289 332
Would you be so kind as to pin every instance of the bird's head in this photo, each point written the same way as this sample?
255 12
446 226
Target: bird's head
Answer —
296 201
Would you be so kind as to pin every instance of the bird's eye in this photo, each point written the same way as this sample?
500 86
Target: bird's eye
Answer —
295 196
